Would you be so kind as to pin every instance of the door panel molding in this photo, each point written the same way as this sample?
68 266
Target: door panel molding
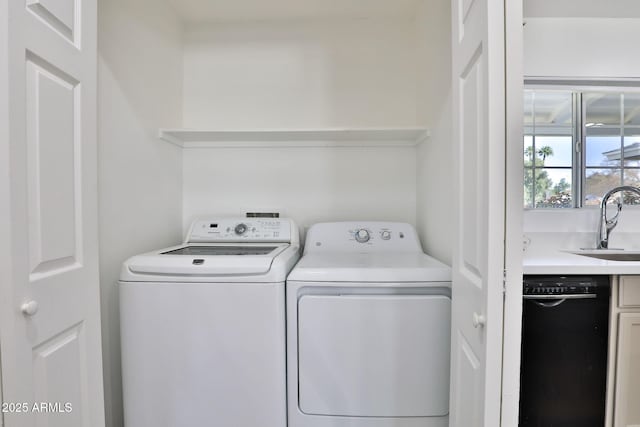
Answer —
61 16
53 147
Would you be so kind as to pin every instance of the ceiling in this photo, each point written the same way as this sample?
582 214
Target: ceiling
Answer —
220 11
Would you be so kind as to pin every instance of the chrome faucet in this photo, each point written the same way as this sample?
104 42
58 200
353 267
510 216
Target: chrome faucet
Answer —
607 225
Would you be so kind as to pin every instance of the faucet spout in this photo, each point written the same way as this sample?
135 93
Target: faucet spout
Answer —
606 225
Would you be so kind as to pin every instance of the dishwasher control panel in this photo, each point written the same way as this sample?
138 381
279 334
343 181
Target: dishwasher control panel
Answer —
563 285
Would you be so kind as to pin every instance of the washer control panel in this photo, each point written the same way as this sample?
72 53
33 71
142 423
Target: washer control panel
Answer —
241 230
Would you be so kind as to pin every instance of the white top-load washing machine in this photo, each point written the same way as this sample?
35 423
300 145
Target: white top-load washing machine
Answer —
368 329
203 327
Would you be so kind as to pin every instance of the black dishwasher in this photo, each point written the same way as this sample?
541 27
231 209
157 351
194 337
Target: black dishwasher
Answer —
565 326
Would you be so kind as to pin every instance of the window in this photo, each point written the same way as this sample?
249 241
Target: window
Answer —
578 145
549 135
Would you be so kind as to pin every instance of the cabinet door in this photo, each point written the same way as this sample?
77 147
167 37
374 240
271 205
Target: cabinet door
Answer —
629 295
627 410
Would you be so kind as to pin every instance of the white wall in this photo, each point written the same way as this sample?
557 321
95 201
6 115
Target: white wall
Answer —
307 184
434 169
597 48
140 184
302 74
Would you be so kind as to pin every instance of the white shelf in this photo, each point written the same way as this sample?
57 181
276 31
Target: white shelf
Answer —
379 137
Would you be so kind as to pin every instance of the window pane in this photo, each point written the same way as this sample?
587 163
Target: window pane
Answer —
602 150
528 150
542 186
553 188
632 132
598 182
632 177
554 151
548 146
528 108
528 188
552 113
601 109
553 108
632 147
632 109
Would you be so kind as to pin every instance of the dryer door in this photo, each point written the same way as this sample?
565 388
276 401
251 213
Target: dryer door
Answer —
374 355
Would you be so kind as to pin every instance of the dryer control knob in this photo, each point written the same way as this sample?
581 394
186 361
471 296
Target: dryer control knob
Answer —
386 235
240 229
362 236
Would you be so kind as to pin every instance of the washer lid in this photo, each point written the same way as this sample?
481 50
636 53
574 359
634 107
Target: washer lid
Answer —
370 267
194 260
221 250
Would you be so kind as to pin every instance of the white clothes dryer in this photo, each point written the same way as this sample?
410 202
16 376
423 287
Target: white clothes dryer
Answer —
203 326
368 329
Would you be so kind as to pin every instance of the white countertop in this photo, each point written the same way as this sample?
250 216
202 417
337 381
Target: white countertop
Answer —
544 253
558 262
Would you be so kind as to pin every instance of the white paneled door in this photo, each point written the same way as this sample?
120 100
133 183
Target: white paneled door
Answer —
49 308
478 259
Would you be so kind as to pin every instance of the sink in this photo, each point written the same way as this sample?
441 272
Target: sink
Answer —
609 254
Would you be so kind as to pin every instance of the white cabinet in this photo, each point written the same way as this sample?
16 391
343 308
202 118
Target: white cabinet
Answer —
627 410
625 352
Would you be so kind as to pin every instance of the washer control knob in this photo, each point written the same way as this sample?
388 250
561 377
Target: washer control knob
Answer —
240 229
362 236
386 235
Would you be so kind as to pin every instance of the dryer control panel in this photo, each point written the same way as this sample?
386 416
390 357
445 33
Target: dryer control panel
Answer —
364 236
241 230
